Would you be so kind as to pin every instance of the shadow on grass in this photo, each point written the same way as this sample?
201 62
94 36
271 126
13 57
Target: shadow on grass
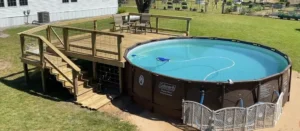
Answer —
297 30
55 91
125 104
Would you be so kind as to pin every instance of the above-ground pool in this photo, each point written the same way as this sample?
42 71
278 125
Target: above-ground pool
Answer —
163 72
207 60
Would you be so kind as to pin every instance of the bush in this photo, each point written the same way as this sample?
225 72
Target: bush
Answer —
121 10
243 11
228 9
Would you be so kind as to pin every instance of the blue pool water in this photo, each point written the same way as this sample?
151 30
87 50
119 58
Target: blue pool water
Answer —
207 60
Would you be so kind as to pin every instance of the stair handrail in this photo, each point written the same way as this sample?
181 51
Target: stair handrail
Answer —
59 53
75 69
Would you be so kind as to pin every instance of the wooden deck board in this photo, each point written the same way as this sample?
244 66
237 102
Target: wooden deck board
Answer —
108 43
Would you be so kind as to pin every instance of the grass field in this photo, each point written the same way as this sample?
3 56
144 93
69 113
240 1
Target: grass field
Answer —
280 34
26 108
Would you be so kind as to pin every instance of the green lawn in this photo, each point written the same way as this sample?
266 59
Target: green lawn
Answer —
280 34
26 108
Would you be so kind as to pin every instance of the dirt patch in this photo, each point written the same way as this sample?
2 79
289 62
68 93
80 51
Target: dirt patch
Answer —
4 65
3 35
124 109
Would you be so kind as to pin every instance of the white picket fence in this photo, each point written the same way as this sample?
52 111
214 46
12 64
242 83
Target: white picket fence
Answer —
258 116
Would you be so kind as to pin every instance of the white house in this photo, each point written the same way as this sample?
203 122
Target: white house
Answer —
12 11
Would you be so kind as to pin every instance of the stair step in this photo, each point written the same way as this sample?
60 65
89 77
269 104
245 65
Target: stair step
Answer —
68 84
32 57
31 61
48 55
57 64
88 98
93 99
84 96
53 57
67 74
62 69
99 104
82 90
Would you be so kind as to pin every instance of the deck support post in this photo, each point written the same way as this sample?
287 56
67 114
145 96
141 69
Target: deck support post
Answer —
25 66
188 23
94 52
95 70
48 32
22 40
119 48
156 24
43 79
66 39
26 73
75 83
95 25
94 48
120 80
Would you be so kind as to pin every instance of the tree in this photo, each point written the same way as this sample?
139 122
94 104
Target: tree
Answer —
143 6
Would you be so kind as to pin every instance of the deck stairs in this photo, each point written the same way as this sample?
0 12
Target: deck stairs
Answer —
86 96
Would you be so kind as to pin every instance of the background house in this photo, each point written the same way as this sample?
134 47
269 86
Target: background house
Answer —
12 11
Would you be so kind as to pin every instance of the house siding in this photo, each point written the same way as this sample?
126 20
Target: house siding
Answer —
13 16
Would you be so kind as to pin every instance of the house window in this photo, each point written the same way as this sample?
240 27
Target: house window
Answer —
65 1
1 3
12 2
73 0
23 2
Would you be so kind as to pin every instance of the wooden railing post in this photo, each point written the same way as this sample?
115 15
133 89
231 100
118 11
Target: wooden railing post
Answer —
41 51
75 83
94 48
94 53
188 27
128 18
119 41
156 24
25 66
95 25
66 39
48 32
22 40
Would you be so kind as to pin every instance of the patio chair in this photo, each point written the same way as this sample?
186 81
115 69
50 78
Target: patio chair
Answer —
184 5
118 22
170 5
144 22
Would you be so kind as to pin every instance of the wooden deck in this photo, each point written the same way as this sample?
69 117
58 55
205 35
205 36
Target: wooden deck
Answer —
106 46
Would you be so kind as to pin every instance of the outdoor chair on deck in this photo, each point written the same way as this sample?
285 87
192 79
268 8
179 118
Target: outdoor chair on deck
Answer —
144 22
118 22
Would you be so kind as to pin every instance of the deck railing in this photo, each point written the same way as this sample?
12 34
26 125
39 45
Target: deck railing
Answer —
39 46
167 23
88 42
92 42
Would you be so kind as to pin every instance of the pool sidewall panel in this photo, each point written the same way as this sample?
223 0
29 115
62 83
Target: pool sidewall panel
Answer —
212 94
127 76
142 84
168 92
247 92
268 88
